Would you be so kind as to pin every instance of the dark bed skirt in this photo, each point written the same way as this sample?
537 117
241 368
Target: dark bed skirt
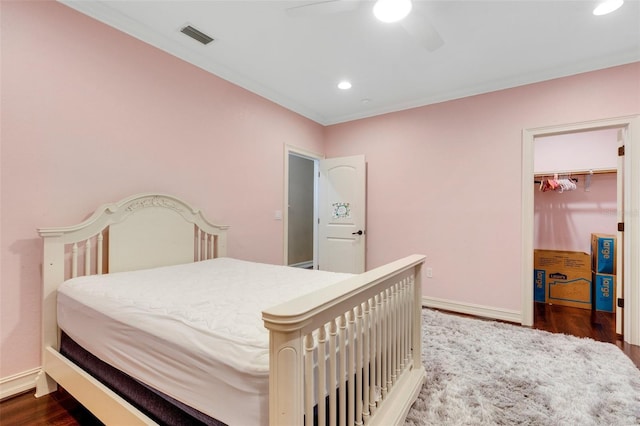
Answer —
159 407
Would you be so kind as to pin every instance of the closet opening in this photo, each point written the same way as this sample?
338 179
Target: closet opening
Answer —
575 232
626 221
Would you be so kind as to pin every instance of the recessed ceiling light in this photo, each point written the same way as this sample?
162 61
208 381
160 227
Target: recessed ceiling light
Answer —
344 85
391 10
607 6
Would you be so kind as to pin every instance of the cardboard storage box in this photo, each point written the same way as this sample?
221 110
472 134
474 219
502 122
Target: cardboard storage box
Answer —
539 285
603 253
562 277
604 292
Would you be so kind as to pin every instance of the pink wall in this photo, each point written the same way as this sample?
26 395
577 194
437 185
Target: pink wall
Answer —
90 115
444 180
565 221
593 150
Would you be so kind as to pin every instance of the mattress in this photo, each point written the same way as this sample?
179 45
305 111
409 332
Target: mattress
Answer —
194 332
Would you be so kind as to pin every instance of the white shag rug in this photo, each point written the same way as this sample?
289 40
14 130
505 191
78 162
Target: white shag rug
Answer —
489 373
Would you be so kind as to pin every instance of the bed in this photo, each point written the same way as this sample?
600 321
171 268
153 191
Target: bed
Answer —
142 296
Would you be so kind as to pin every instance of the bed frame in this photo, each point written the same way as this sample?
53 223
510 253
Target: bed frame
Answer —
369 326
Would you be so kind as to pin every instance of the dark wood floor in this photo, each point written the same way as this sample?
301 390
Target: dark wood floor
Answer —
597 325
60 409
56 409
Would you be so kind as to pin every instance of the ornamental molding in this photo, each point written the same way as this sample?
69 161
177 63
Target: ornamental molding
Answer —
154 201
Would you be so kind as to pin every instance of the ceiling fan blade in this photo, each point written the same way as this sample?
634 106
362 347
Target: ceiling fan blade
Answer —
325 7
421 29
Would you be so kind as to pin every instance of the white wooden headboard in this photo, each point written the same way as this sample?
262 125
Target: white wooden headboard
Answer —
158 230
141 231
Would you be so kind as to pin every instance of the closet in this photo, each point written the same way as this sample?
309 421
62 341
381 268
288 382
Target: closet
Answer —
576 198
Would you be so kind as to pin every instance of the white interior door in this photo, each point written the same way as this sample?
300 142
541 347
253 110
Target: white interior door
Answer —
341 214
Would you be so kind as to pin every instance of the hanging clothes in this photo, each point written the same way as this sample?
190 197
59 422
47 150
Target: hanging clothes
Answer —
555 184
549 184
566 185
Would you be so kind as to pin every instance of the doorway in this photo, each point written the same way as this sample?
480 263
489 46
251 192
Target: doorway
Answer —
630 133
301 212
584 205
325 211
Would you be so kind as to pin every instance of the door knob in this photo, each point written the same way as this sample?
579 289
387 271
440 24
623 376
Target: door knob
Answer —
357 233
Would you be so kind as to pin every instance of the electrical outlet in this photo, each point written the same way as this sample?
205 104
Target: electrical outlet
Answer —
429 272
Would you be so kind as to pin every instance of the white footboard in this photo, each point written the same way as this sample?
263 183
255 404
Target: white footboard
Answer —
348 354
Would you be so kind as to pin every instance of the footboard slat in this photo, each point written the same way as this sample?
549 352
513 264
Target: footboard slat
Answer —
322 371
373 350
366 360
308 383
384 344
342 368
351 368
333 378
393 327
359 365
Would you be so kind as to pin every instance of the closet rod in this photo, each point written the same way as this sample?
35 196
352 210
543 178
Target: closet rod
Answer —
577 172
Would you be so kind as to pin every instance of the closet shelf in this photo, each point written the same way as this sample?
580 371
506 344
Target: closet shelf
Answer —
576 172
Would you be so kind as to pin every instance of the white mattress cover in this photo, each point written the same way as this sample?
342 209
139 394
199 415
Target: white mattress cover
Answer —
194 331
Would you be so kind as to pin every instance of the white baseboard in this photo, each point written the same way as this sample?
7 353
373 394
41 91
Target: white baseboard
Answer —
471 309
18 383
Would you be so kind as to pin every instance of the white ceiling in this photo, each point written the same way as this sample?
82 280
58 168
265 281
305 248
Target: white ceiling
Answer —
297 61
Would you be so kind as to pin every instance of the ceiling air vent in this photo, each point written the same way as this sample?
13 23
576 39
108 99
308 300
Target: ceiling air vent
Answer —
196 35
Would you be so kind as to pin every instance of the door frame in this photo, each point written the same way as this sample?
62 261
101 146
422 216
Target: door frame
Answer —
315 157
631 199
